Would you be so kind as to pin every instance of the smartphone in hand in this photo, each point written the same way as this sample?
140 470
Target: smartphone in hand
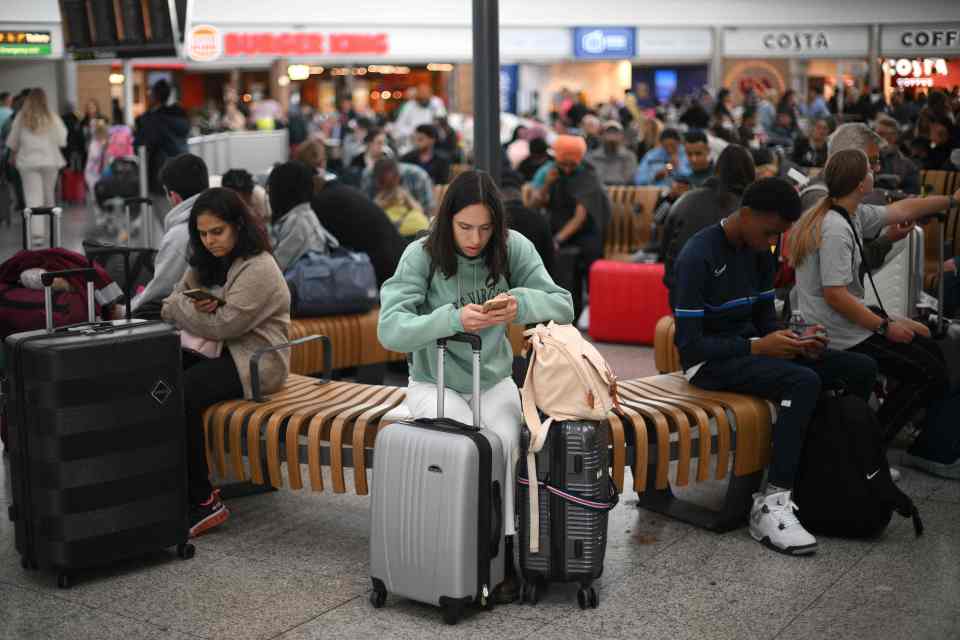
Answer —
495 304
202 294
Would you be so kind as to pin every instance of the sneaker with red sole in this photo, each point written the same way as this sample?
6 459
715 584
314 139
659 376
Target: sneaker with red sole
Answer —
208 515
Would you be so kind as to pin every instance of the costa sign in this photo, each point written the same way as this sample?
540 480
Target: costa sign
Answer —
206 43
796 40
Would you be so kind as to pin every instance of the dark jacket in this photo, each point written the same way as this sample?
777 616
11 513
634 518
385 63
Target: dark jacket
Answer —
693 211
164 132
535 227
438 166
359 225
530 165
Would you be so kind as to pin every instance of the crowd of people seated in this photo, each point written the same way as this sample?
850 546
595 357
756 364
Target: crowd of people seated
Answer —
720 168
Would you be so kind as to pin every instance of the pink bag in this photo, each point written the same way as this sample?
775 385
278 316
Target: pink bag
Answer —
200 346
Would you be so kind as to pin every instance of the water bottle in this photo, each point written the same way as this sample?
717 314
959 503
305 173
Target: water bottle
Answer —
797 325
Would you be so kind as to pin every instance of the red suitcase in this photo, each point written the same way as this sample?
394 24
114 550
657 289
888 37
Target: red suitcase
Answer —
626 301
72 186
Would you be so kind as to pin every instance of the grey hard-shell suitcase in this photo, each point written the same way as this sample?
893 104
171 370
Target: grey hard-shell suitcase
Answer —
436 518
575 496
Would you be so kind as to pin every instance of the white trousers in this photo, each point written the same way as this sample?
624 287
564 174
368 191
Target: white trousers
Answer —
499 411
39 185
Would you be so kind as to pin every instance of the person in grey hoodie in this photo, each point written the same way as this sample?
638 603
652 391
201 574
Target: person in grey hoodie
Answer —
183 178
295 228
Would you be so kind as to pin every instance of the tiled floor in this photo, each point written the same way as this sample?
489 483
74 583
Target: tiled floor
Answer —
293 565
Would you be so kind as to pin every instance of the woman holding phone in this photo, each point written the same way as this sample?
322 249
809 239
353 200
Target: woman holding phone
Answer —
234 300
441 286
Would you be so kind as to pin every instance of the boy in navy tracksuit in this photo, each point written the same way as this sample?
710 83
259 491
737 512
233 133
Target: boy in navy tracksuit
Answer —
729 340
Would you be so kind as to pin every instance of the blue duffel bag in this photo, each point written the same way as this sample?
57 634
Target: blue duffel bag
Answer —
338 282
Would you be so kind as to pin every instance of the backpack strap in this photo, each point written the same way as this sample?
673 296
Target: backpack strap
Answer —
856 239
538 435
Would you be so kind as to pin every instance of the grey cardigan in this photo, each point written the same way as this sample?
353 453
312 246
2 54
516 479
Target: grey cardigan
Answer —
256 315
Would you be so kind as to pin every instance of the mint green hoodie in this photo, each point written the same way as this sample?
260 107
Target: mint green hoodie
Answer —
412 319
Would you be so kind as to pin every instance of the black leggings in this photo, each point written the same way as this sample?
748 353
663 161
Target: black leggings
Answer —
205 382
921 374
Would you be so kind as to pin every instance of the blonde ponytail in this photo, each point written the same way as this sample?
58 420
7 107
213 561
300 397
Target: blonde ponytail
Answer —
807 232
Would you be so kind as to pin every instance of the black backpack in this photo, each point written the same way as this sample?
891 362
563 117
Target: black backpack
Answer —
843 486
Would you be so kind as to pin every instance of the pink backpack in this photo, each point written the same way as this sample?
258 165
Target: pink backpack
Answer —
120 142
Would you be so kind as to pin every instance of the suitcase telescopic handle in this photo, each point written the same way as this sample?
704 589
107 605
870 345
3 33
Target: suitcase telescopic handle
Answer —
475 344
47 279
55 213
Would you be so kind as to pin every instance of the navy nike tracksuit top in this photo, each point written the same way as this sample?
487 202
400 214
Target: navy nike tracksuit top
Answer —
723 296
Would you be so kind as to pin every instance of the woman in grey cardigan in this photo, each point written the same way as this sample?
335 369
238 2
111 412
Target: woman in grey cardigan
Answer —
295 228
230 258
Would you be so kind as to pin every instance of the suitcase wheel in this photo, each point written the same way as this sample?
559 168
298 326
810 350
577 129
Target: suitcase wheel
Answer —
452 612
588 598
530 592
378 598
64 580
186 550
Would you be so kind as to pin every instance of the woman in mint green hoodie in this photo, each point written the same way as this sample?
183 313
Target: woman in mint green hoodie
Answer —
439 288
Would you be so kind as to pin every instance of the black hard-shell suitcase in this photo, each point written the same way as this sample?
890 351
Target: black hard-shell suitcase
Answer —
97 442
575 495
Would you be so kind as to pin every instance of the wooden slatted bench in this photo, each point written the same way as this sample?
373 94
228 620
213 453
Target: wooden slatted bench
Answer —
334 425
697 423
355 344
631 220
941 183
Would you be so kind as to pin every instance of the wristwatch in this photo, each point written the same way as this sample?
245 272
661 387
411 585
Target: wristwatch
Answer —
882 329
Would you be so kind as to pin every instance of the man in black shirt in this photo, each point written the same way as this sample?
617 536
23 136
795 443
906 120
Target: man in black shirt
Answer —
533 225
425 155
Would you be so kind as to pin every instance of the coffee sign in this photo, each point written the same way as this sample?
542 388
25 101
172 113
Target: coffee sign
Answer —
812 42
920 40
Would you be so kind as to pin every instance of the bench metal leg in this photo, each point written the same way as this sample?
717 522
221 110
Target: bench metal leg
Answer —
241 489
732 515
372 373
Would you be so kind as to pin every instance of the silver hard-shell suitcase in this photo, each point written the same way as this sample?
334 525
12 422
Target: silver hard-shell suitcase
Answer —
436 523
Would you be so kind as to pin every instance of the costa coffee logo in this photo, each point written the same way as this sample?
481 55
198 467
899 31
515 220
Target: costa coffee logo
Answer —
204 43
796 41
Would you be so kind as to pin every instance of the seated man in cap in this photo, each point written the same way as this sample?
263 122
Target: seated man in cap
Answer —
579 209
614 164
729 340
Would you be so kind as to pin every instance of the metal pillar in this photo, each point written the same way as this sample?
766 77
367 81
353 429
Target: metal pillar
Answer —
486 87
716 60
128 92
876 78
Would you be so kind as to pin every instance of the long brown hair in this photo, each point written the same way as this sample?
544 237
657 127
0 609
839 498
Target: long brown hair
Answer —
845 170
470 187
36 114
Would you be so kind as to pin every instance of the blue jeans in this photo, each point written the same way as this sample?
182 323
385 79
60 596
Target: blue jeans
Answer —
795 385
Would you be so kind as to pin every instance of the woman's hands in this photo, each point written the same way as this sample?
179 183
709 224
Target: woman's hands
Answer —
474 319
205 306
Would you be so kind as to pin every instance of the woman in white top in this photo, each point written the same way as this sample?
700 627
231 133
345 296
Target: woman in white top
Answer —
35 138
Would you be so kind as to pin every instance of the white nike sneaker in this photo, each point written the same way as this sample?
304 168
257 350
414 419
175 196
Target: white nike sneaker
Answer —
774 524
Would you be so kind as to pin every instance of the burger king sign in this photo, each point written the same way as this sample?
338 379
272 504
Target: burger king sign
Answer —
204 43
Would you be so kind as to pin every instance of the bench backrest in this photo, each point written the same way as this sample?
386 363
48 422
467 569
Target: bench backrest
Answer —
665 353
